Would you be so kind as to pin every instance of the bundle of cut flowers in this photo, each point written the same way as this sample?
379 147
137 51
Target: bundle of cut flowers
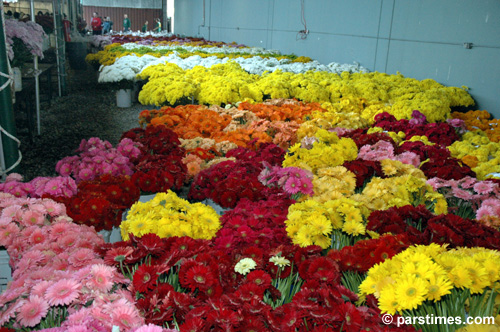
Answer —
332 224
429 280
57 274
160 166
30 35
61 281
423 227
292 180
227 182
63 186
470 198
259 224
186 283
98 157
187 121
168 215
101 202
439 133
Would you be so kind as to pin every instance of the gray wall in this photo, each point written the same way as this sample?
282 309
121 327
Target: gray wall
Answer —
419 38
151 4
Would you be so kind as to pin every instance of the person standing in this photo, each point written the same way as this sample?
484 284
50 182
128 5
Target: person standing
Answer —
96 24
145 27
126 23
106 26
157 26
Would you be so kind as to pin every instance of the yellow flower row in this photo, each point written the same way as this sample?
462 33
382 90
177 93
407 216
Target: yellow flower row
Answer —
366 94
112 52
423 273
168 215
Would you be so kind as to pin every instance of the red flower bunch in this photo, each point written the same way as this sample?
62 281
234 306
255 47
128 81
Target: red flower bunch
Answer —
408 220
101 202
361 138
159 173
260 224
228 182
156 140
440 163
366 253
268 152
439 133
364 170
460 232
160 166
422 227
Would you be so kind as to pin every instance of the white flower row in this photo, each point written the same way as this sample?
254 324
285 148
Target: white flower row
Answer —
208 49
129 66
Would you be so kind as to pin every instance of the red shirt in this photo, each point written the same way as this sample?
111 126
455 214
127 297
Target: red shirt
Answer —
96 24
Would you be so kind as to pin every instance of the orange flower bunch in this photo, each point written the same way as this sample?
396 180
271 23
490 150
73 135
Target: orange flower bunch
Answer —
187 121
243 137
282 110
480 120
283 133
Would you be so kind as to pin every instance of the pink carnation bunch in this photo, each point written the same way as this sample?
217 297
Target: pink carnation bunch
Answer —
293 180
98 158
60 186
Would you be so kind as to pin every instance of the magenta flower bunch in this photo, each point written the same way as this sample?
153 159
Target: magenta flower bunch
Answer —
98 158
293 180
60 186
58 274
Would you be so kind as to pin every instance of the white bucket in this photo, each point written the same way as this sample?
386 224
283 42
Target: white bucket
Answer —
18 79
124 98
5 272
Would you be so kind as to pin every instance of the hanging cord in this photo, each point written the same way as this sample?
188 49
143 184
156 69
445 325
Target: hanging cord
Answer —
10 79
302 34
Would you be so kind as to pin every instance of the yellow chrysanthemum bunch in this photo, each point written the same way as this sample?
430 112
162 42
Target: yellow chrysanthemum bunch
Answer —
474 149
400 190
313 223
329 151
168 215
333 183
427 273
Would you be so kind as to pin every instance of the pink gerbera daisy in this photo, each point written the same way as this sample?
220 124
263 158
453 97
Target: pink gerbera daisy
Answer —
81 316
59 228
484 211
7 234
32 311
125 315
484 187
81 257
102 277
292 185
30 218
150 328
63 292
38 236
40 288
11 211
7 314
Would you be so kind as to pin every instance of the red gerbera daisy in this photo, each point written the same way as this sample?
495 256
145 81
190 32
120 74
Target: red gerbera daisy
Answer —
199 276
145 278
260 278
